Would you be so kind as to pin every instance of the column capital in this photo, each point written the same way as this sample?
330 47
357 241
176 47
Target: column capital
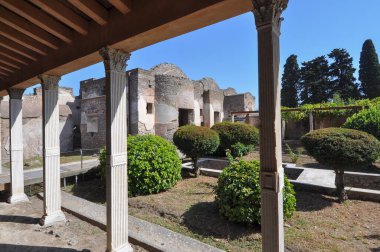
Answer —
15 93
114 59
268 12
49 82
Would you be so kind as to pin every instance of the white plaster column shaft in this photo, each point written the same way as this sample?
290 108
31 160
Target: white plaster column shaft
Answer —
16 146
1 146
268 17
115 63
51 151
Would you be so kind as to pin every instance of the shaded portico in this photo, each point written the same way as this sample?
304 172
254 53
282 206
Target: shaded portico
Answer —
41 40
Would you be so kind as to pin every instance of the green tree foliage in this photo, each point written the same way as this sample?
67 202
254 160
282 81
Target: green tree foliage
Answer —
290 82
195 142
235 134
314 81
341 148
367 120
153 164
369 70
238 193
341 72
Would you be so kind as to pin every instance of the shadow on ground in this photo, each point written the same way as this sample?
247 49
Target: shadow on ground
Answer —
18 219
309 201
204 219
26 248
92 190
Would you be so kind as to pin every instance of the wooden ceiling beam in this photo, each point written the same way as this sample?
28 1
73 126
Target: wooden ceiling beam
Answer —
22 39
17 48
13 56
124 6
92 9
9 18
39 18
63 14
9 63
6 68
3 73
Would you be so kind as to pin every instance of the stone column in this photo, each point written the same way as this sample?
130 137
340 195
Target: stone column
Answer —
1 146
208 111
311 122
115 63
268 17
51 151
16 146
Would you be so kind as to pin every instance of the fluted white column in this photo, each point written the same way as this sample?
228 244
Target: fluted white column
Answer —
51 151
16 146
1 146
115 62
268 18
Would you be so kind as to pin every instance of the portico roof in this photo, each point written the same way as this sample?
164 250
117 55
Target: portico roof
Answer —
60 36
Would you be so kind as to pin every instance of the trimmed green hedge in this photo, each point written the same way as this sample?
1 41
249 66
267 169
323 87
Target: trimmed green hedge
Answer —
238 193
231 134
195 142
367 120
153 164
339 147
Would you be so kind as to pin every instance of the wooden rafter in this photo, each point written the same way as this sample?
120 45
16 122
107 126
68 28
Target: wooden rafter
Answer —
15 47
22 39
3 73
9 63
124 6
63 14
92 9
10 55
39 18
6 68
18 23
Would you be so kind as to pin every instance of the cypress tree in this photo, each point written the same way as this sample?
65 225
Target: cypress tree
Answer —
341 73
369 70
289 82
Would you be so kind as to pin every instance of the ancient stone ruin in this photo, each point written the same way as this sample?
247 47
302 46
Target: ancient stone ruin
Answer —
160 100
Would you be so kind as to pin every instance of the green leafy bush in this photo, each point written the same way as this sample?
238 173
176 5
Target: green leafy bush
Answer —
238 193
153 164
367 120
341 148
195 142
232 133
239 149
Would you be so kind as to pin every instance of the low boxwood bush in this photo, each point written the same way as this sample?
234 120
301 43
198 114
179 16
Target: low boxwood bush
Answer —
195 142
238 193
153 164
232 133
341 148
367 120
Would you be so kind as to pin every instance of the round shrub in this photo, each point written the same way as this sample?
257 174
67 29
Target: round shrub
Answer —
153 164
341 148
238 193
367 120
196 141
232 133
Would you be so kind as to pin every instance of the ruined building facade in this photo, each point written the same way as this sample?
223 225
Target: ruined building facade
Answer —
159 101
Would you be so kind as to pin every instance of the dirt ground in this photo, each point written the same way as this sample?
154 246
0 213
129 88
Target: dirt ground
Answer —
20 231
319 224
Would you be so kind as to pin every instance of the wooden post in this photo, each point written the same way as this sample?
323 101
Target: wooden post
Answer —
115 63
267 18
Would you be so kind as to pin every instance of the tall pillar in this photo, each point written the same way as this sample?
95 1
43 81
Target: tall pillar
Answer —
268 17
1 160
208 111
51 151
115 63
16 146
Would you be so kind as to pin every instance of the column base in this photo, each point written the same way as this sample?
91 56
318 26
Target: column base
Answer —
18 198
126 248
49 220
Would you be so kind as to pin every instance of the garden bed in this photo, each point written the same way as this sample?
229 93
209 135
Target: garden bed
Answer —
189 208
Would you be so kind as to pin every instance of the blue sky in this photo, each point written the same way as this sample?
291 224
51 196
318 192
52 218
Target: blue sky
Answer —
227 51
